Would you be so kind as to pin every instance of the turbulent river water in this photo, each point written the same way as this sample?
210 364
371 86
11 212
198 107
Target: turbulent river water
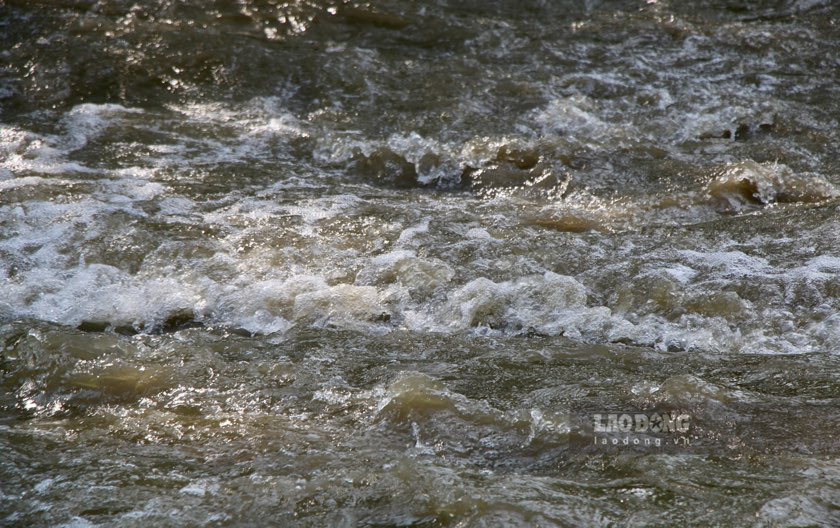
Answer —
398 263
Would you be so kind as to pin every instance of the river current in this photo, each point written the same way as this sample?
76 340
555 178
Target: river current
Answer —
408 263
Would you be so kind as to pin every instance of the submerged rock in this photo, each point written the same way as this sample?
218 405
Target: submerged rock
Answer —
749 185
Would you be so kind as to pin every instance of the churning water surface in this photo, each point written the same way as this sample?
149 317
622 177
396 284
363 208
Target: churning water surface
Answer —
339 263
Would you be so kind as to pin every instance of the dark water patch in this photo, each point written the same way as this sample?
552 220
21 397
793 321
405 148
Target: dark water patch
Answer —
438 414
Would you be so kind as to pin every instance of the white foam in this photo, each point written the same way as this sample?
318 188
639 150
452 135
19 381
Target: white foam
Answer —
681 273
342 305
435 162
25 181
715 119
407 237
324 208
78 522
129 190
573 116
23 153
99 292
479 233
393 289
415 148
729 263
427 275
200 488
242 134
531 301
87 121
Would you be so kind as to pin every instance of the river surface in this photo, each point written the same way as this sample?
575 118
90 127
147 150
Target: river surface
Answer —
398 263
